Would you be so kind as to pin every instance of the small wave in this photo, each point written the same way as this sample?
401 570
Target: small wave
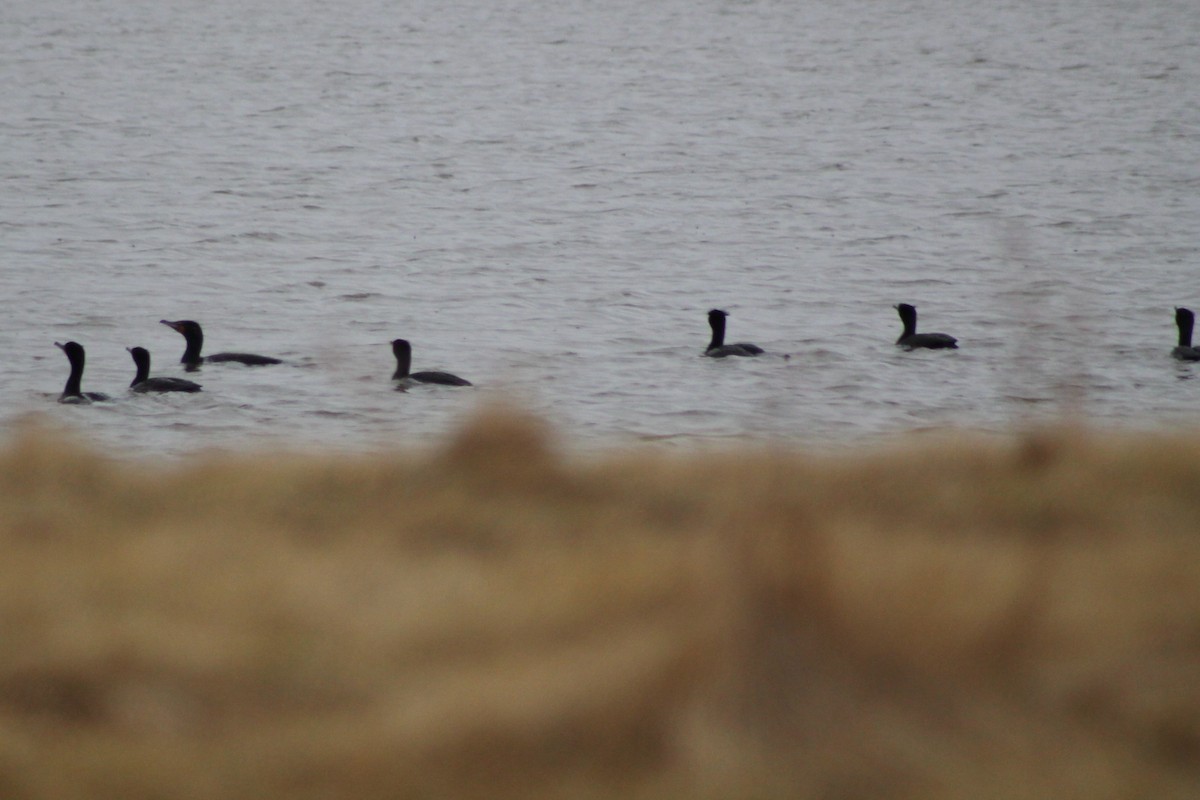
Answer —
872 240
1027 399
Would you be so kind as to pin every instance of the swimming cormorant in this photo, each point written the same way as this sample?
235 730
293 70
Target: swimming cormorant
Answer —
71 392
1184 351
717 347
911 339
403 352
143 383
194 337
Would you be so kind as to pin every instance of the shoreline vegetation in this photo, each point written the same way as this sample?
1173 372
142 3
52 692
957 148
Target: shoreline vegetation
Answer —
960 618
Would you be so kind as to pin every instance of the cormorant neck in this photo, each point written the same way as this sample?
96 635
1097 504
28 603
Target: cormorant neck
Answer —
1185 323
403 361
143 370
195 340
73 380
717 323
909 318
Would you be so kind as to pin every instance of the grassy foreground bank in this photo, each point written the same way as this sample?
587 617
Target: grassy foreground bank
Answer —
967 619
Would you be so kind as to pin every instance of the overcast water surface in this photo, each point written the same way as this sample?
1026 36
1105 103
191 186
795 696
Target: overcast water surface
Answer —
547 197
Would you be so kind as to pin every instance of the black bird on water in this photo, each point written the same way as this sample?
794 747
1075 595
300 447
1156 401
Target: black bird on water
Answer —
142 382
403 352
717 347
911 339
1184 351
194 336
71 392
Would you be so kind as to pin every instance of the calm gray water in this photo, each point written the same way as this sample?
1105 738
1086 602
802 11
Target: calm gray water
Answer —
546 198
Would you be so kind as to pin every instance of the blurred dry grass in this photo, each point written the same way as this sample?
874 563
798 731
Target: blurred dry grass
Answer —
953 619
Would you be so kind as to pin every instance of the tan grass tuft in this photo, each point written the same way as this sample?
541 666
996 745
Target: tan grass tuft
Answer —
964 618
